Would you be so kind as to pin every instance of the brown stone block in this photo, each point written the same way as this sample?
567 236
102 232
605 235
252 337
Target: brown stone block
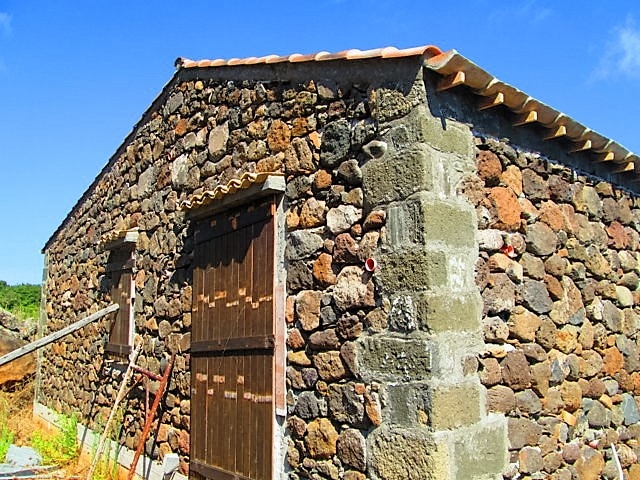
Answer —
351 449
523 324
294 339
571 393
516 371
278 136
552 214
589 464
613 361
489 167
308 309
329 365
323 270
500 399
522 432
321 439
490 373
312 213
322 180
505 208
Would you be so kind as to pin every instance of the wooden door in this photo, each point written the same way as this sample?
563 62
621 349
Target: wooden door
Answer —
232 346
119 267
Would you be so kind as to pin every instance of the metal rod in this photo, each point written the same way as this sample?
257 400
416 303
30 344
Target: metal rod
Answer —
155 376
151 415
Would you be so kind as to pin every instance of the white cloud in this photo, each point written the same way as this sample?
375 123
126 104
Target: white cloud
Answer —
535 12
5 23
629 51
528 10
622 53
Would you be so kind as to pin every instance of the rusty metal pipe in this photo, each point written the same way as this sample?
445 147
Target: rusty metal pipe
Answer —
147 425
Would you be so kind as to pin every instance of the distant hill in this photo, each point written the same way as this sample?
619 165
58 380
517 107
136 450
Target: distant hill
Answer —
22 300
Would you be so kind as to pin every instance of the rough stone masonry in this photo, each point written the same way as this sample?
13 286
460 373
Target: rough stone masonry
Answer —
558 271
496 337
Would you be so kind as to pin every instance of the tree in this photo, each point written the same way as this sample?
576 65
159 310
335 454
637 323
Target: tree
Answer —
22 300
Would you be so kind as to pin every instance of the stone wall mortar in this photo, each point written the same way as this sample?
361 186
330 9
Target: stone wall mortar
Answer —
558 271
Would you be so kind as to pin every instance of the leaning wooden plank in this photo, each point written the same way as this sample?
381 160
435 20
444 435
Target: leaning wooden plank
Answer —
114 408
30 347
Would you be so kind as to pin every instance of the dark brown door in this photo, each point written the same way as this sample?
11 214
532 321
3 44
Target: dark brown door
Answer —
232 346
119 267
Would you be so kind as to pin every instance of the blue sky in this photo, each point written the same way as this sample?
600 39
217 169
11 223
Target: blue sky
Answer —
76 76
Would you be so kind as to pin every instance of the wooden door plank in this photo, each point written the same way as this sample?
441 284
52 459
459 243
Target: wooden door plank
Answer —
267 417
238 246
256 330
243 287
196 395
224 325
244 461
266 327
215 290
208 424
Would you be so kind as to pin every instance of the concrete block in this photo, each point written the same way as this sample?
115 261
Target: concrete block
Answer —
443 134
448 351
443 312
401 226
407 405
448 136
426 218
413 269
406 454
480 451
451 222
395 177
394 359
455 406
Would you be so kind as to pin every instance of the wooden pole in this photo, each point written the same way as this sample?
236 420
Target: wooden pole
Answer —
121 394
30 347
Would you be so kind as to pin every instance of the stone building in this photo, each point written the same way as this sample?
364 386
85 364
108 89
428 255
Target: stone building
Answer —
380 264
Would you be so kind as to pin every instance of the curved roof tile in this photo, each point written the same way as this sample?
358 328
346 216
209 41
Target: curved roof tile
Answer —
451 63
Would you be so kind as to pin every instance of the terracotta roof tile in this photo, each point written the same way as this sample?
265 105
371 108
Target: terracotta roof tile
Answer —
245 181
484 84
130 235
352 54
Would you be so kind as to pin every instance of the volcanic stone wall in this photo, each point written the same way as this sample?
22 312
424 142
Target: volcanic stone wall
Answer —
558 271
505 286
201 133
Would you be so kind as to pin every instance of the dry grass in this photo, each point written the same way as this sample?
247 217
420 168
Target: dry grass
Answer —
16 405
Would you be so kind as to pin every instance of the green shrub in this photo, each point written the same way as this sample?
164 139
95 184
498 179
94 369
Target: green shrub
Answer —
6 439
61 447
21 300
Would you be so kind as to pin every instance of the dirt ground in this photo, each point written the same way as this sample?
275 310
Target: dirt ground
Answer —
16 406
